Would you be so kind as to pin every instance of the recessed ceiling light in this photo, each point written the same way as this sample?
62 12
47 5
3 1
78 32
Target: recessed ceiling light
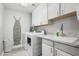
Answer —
24 4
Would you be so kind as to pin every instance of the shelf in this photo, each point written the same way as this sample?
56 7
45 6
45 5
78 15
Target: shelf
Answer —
63 16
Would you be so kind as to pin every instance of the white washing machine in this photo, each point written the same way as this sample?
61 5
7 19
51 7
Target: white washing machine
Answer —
33 44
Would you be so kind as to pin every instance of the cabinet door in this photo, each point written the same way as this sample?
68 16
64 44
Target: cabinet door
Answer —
53 10
61 53
44 19
67 8
34 18
47 50
37 15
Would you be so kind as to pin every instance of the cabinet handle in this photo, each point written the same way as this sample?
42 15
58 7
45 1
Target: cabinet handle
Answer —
51 50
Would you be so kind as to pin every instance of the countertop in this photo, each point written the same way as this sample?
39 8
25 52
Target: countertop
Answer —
73 41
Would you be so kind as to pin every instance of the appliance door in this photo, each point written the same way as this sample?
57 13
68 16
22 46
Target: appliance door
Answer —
29 41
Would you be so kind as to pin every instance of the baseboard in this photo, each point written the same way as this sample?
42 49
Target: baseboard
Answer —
2 53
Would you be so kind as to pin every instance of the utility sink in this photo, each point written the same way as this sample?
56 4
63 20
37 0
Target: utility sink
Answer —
66 39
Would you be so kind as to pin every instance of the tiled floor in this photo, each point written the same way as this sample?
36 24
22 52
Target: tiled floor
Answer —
17 52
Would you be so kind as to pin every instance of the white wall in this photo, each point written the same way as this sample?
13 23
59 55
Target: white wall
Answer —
70 26
9 22
1 27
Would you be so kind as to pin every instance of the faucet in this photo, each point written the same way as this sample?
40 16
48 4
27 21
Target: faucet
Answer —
61 29
45 32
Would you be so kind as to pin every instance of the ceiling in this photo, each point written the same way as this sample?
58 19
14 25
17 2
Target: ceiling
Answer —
19 7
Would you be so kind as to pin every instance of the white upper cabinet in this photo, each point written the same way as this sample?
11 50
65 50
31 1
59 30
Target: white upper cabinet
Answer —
53 10
57 9
67 8
46 11
39 15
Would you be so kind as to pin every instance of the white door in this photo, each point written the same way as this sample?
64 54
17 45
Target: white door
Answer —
61 53
47 50
68 8
53 10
